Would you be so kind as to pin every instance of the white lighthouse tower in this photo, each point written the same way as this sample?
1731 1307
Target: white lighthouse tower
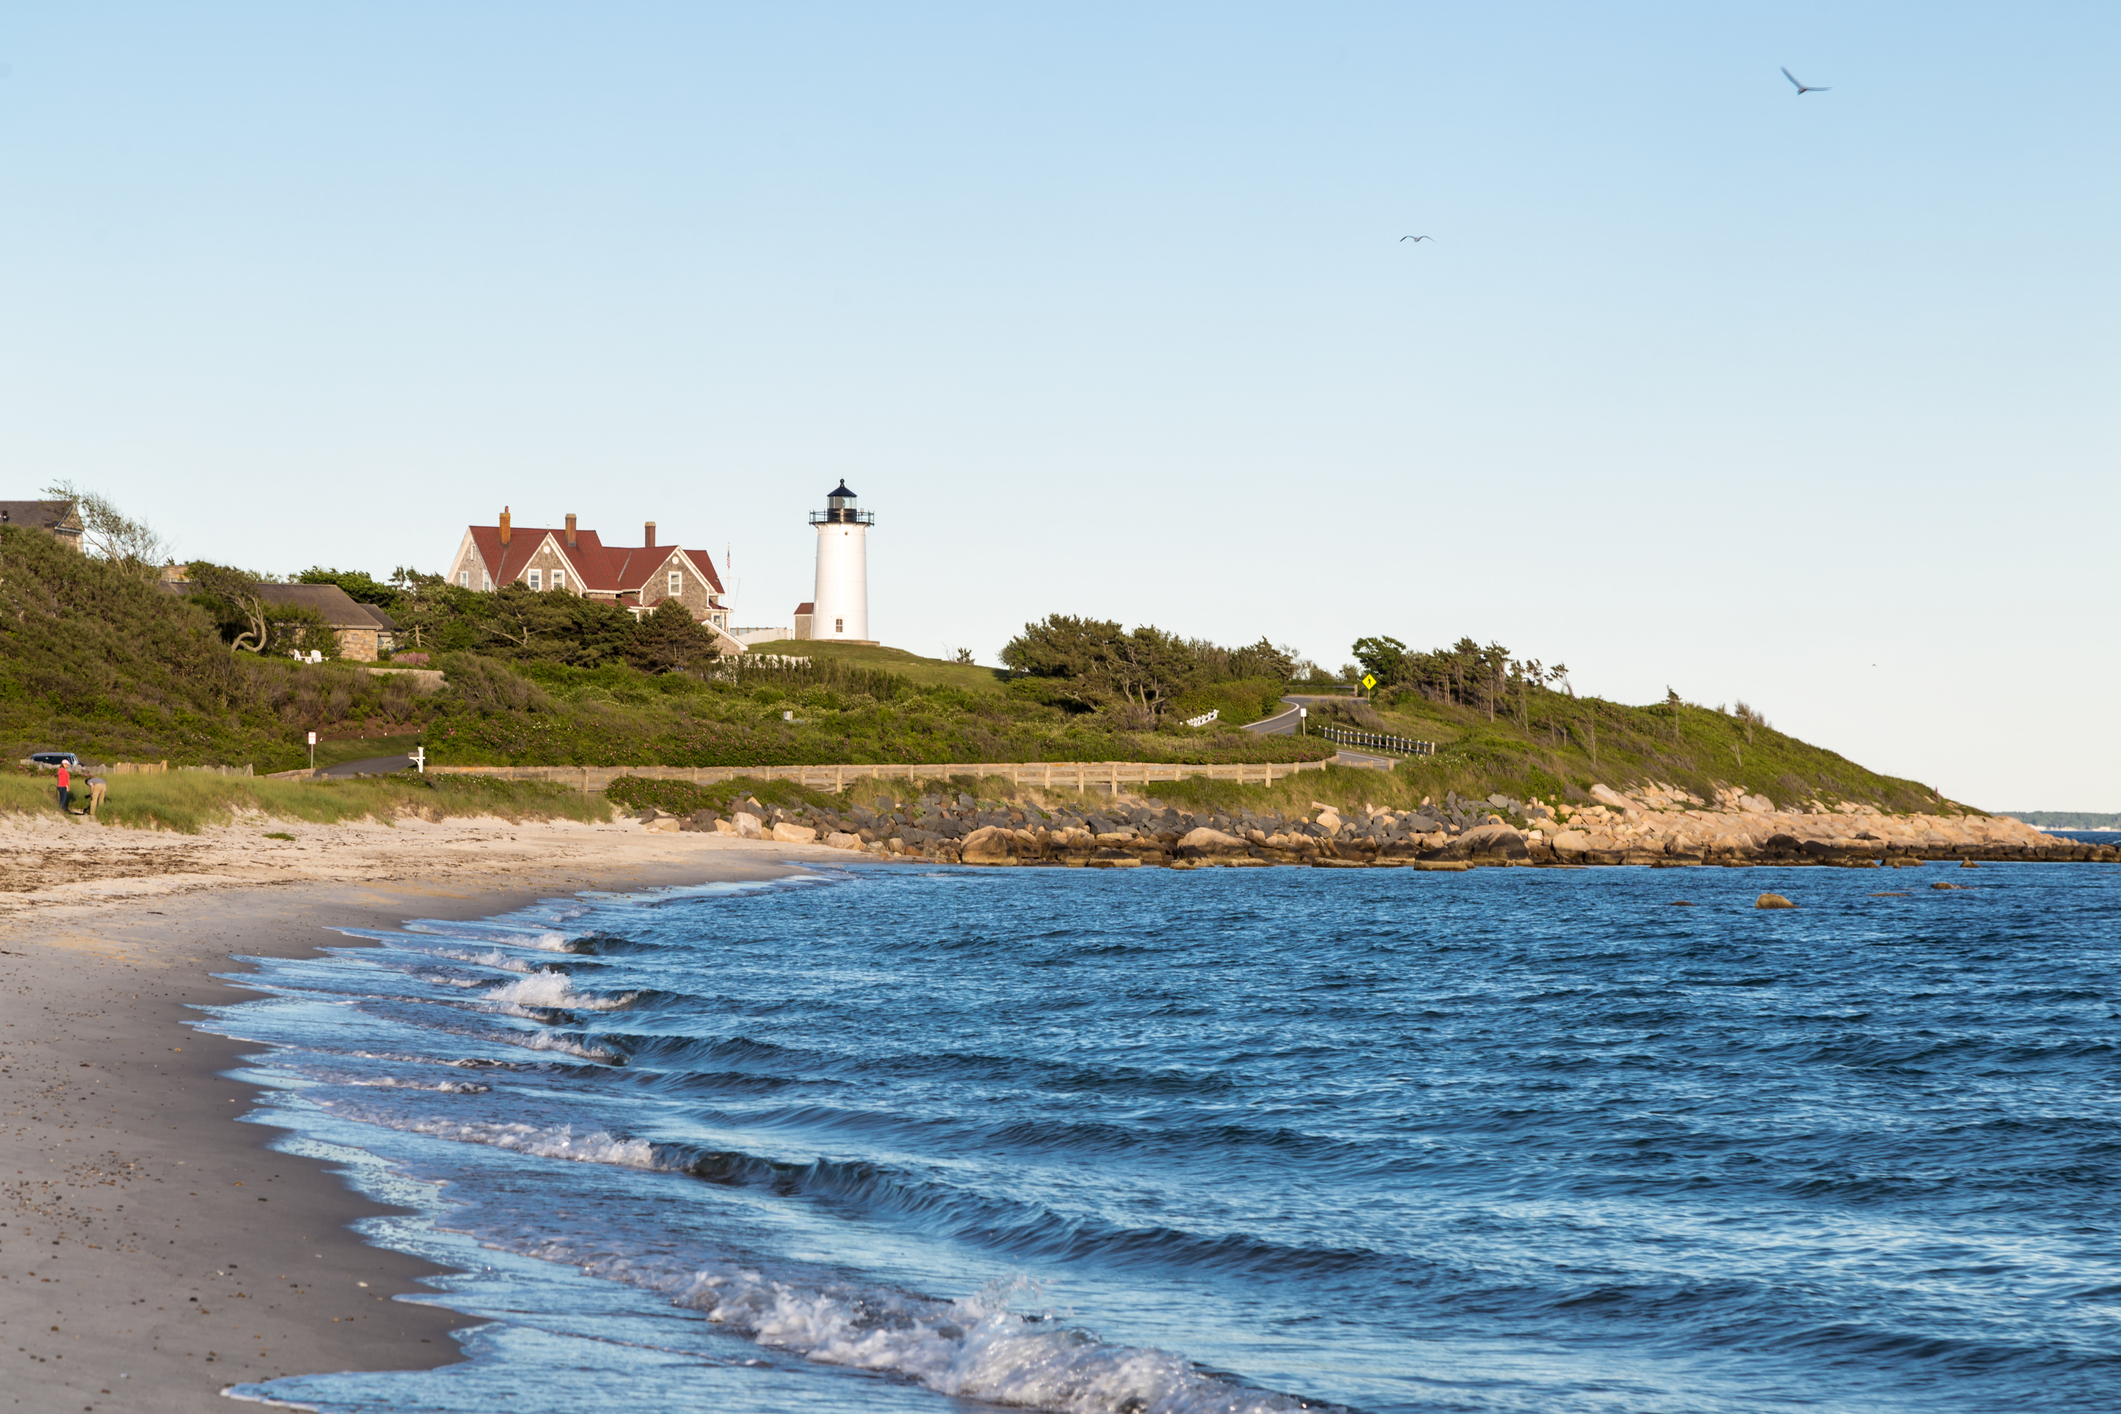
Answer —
840 608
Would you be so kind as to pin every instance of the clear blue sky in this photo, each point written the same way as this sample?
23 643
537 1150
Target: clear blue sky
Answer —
1103 309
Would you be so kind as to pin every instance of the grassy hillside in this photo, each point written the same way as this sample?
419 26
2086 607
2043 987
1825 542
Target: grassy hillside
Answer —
96 659
1556 746
754 712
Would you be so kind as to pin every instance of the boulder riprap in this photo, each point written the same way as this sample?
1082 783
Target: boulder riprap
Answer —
1646 825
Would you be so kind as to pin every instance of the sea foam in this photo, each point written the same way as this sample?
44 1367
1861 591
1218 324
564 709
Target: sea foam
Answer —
553 990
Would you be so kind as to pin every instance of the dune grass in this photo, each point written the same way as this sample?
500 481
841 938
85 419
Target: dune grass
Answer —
188 803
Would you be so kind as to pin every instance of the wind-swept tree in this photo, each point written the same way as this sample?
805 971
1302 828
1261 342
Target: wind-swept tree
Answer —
109 533
251 623
1382 658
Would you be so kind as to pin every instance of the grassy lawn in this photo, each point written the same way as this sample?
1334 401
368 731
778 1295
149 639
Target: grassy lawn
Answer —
928 672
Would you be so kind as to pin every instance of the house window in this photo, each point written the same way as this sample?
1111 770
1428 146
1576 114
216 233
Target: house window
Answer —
489 582
537 579
839 625
677 582
559 579
464 578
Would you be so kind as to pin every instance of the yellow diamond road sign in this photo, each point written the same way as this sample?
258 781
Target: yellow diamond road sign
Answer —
1369 680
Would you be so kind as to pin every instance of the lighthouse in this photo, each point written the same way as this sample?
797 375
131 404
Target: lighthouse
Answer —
840 608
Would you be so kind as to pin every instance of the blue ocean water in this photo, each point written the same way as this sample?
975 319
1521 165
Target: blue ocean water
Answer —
1510 1140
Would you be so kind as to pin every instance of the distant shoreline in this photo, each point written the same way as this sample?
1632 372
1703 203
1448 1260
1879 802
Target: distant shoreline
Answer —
2106 821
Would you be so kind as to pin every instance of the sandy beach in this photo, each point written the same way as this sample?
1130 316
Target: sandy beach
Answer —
153 1250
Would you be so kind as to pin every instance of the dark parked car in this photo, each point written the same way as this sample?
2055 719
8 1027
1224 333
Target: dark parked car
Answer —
53 758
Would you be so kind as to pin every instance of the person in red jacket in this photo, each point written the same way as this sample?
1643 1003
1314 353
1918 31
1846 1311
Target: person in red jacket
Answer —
66 792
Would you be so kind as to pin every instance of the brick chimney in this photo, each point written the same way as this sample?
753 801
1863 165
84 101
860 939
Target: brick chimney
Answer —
651 535
570 530
504 525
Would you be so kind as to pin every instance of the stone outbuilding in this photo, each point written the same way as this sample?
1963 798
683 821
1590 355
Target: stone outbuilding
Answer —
364 631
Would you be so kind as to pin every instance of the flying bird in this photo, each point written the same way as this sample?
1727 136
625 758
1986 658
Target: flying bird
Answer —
1417 238
1802 87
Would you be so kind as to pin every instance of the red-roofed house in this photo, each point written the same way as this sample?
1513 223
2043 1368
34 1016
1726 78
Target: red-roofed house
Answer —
576 561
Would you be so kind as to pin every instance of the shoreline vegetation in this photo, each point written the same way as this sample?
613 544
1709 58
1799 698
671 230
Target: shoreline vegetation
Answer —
186 803
97 659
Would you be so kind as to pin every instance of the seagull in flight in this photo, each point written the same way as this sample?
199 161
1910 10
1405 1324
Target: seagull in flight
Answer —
1802 87
1417 238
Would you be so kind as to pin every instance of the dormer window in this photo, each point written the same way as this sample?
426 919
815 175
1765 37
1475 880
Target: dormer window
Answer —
677 583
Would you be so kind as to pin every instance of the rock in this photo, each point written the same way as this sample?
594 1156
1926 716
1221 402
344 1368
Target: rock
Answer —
1772 901
1202 842
1940 884
1494 840
988 845
1329 821
840 839
1570 843
748 826
793 834
1606 795
724 827
666 824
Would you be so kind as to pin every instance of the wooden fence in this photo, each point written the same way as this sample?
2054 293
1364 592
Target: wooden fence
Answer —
150 768
1377 741
1048 775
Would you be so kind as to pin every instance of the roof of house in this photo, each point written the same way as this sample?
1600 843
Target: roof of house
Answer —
41 515
340 609
598 568
806 607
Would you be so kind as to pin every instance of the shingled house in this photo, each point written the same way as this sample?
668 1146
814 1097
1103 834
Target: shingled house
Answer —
61 520
577 561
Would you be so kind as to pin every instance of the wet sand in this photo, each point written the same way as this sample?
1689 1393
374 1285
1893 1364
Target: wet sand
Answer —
153 1250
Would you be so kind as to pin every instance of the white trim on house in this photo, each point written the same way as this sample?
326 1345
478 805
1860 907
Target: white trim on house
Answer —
468 564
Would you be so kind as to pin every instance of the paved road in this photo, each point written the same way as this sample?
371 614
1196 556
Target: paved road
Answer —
368 766
1284 723
1280 724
